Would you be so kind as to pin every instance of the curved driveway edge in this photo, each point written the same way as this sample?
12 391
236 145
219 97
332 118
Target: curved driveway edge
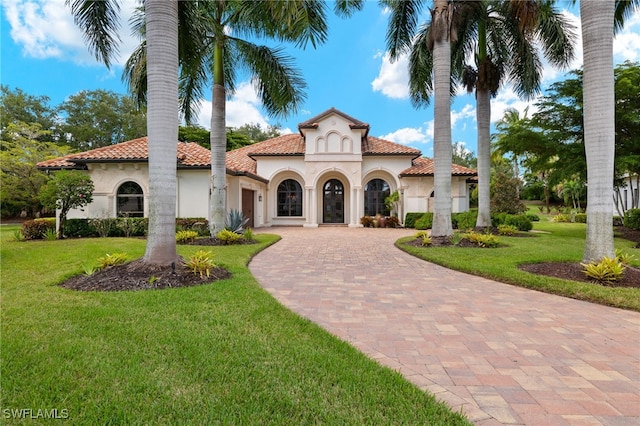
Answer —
500 353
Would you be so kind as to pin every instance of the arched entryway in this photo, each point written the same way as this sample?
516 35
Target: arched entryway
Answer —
333 202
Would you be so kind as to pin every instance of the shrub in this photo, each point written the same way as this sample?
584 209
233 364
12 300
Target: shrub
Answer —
420 234
79 228
580 218
393 222
482 240
520 221
112 260
456 237
201 263
50 234
618 221
464 220
608 270
228 237
426 240
425 221
507 229
35 229
632 219
410 219
534 217
366 221
561 217
105 226
183 237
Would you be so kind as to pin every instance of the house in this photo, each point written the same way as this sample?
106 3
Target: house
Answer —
331 172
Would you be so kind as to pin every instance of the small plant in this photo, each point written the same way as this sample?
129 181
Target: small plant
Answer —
426 240
235 221
153 279
17 235
456 237
184 237
248 234
112 260
608 270
507 230
420 234
393 222
201 263
561 217
228 237
89 269
482 240
624 258
366 221
50 234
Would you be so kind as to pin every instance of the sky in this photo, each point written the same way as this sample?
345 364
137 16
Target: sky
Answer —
43 53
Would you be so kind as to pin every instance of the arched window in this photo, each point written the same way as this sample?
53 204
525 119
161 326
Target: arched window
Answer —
374 194
130 200
289 198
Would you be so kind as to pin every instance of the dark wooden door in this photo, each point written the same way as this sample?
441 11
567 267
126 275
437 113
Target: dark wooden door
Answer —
247 206
333 202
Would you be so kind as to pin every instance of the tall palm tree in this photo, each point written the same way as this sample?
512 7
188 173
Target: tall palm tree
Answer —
99 21
432 78
218 44
501 37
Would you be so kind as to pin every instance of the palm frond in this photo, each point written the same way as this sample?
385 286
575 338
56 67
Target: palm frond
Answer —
421 70
403 23
346 8
557 36
280 87
624 9
134 74
98 20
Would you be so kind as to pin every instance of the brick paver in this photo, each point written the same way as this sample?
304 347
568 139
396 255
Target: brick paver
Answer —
500 353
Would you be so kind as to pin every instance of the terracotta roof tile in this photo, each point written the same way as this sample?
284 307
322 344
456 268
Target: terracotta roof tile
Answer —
376 146
190 154
425 167
313 121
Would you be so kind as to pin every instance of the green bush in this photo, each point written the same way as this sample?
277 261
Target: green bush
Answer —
425 221
482 240
632 219
201 262
520 221
580 218
410 219
184 237
534 217
608 270
79 228
507 230
228 237
37 228
562 218
464 220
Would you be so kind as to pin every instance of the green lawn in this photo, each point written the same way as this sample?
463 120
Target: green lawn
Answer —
555 242
223 353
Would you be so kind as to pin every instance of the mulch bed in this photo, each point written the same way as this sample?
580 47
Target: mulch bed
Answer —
137 275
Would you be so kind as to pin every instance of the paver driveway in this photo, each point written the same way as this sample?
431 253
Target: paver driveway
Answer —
502 354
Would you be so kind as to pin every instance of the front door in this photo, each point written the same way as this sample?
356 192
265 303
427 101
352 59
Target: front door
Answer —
247 206
333 202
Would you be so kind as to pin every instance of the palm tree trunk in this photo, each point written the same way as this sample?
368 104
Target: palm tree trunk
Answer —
483 117
162 123
442 150
599 125
218 146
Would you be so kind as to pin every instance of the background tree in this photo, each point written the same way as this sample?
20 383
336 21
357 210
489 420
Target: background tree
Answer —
256 133
462 156
17 106
69 189
100 118
20 180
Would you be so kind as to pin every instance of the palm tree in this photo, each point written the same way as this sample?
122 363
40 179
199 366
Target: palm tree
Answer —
214 49
98 20
600 19
502 37
433 76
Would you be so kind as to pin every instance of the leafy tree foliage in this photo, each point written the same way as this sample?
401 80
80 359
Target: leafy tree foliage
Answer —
19 107
69 189
462 156
505 193
20 180
101 118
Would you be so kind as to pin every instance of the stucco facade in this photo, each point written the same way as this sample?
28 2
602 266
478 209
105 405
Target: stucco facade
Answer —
332 172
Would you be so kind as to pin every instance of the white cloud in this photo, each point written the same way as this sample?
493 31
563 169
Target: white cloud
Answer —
45 29
626 45
243 108
411 135
393 78
468 111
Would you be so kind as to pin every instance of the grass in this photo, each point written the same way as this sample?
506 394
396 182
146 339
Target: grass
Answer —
557 242
222 353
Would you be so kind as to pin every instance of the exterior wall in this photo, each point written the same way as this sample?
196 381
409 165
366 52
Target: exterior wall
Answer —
625 196
193 193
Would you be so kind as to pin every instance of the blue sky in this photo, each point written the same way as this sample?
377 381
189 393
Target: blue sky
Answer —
43 53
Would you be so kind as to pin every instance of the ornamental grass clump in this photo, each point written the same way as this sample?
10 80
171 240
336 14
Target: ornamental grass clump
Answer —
608 270
201 263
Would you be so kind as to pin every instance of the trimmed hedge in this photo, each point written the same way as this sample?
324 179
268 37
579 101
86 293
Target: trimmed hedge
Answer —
632 219
410 219
124 227
464 220
425 221
36 228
